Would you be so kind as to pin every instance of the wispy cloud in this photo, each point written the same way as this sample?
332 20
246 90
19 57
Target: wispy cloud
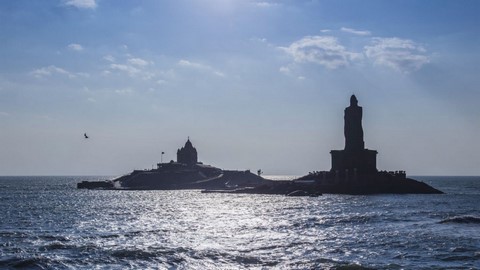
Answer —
124 91
51 70
356 32
400 54
75 47
186 63
138 62
291 71
131 70
257 39
82 4
133 66
322 50
265 4
4 114
198 66
284 70
109 58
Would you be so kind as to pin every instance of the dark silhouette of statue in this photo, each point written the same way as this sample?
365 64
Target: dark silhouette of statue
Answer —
353 126
187 154
354 158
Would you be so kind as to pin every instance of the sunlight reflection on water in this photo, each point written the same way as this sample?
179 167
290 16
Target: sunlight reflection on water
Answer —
51 224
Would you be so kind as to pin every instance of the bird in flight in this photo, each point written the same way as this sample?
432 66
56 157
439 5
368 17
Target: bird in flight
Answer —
85 135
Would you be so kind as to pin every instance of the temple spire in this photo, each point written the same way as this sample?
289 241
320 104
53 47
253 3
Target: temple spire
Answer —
187 154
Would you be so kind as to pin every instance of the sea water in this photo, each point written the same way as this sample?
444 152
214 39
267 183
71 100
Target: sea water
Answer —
46 223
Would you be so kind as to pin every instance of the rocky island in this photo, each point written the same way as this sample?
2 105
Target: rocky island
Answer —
185 173
354 171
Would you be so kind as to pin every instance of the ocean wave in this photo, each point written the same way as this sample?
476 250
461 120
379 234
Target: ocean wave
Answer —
353 267
55 226
356 219
457 258
462 219
56 246
59 238
134 254
26 263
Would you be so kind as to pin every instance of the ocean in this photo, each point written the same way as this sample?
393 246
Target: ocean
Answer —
46 223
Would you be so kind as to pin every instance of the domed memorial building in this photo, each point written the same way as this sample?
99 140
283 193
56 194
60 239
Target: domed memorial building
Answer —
187 154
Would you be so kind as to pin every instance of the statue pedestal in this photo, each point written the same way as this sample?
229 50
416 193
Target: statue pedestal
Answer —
361 161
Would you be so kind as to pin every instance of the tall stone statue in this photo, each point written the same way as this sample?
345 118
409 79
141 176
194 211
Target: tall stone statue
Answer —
353 126
354 158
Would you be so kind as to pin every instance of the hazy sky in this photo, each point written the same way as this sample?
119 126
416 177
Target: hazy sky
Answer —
255 84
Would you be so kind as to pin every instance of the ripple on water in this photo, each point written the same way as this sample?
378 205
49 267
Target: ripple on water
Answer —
48 224
462 220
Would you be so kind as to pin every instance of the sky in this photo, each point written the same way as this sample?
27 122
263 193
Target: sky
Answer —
255 84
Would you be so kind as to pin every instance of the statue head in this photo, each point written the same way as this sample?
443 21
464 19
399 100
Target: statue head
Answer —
353 101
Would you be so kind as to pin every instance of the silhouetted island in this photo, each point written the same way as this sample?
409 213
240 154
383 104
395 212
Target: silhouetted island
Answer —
354 171
185 173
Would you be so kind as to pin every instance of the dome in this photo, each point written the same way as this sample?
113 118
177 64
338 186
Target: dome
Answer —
188 144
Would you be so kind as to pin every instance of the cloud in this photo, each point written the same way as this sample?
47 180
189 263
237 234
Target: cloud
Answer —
125 91
261 40
198 66
355 32
82 74
186 63
51 70
109 58
75 47
322 50
400 54
82 4
131 70
138 62
265 4
4 114
134 67
219 74
284 70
